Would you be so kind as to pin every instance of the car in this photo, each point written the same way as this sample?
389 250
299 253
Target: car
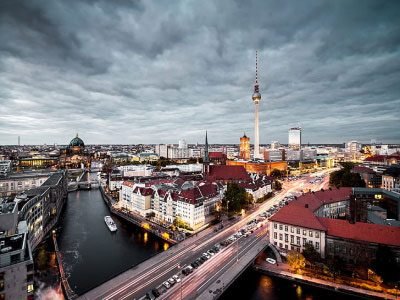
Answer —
166 284
209 252
194 265
271 261
171 281
176 278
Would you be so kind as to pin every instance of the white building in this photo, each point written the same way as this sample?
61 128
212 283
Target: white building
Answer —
295 138
136 170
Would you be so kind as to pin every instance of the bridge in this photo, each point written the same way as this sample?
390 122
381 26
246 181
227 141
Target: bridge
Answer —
83 182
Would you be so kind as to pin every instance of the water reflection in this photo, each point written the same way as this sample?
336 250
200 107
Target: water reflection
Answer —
166 246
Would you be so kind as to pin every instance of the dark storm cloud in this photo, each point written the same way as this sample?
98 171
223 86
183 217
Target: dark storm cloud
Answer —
153 71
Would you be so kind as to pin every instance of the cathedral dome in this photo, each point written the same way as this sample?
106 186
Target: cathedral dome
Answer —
76 142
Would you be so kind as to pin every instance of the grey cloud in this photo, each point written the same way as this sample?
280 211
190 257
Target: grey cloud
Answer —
149 71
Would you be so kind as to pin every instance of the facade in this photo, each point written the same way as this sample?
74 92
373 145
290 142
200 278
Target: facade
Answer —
136 170
244 147
20 182
5 168
370 177
16 267
295 138
41 207
319 224
259 167
391 179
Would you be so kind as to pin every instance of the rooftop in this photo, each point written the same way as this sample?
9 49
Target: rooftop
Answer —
372 233
11 243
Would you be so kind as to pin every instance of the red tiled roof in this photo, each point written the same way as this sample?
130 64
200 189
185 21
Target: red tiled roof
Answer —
144 191
298 216
372 233
208 190
228 173
128 183
361 169
216 155
300 212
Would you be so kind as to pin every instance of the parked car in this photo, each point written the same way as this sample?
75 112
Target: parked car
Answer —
166 284
271 261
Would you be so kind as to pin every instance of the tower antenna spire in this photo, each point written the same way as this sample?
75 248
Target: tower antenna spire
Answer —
256 86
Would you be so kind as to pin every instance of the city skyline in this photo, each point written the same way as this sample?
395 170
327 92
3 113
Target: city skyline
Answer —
115 74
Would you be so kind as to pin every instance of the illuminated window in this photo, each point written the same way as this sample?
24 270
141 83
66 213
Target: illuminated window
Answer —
30 288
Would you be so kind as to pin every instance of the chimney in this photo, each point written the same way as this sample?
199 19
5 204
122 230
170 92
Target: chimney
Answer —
306 205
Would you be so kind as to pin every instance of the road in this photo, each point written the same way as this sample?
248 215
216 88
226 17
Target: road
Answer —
135 282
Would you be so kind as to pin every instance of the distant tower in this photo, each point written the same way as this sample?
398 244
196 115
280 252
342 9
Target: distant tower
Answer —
245 147
256 99
206 160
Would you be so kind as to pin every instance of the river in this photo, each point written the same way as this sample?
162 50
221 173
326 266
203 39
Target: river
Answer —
92 254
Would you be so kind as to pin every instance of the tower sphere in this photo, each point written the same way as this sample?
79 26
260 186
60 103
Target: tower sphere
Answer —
256 97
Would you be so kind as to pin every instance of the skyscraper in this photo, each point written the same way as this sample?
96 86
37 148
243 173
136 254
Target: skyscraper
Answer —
295 138
256 99
244 147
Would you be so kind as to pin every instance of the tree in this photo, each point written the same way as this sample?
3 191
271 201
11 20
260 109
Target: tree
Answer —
385 263
278 185
344 177
235 197
276 173
310 253
296 261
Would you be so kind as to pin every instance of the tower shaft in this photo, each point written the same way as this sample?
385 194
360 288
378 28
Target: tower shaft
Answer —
256 134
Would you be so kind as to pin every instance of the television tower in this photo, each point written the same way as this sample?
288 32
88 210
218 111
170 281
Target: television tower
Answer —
256 99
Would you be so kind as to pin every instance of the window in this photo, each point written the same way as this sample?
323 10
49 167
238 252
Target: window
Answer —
275 226
304 232
298 240
317 234
275 235
317 246
280 236
292 239
280 226
30 288
298 230
286 228
304 241
310 233
286 237
291 229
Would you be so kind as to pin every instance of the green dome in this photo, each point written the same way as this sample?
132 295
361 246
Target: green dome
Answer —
76 142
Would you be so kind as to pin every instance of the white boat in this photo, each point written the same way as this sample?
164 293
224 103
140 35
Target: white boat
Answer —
110 223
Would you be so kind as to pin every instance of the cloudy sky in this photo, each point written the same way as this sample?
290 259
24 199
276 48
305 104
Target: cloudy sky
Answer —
158 71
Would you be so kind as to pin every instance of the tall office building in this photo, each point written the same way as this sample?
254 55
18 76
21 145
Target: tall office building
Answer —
295 138
244 147
256 99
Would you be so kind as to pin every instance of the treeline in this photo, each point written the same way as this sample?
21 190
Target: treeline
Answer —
344 177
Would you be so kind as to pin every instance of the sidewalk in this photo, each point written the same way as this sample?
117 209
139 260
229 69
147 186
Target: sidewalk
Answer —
283 271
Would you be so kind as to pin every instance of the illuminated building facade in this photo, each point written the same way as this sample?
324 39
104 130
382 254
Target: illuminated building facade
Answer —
295 138
244 147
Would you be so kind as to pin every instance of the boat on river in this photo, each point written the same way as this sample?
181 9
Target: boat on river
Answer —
110 223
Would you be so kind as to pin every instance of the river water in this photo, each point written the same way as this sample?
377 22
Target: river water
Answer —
92 254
